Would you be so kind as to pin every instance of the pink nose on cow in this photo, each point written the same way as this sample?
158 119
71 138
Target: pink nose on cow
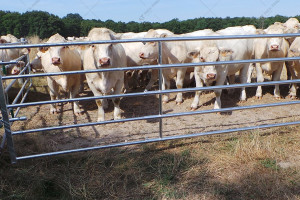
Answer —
275 47
55 60
211 76
142 55
15 71
104 61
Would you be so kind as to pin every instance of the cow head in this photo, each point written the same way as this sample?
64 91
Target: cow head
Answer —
36 63
103 54
274 44
56 52
150 49
207 73
15 68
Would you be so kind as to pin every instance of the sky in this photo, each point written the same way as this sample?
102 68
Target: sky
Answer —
157 10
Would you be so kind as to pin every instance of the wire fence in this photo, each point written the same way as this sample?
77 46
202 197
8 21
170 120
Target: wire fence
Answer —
9 116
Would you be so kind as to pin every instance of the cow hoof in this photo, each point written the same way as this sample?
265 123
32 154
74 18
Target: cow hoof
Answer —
164 102
258 97
242 101
293 97
178 103
278 98
193 109
78 113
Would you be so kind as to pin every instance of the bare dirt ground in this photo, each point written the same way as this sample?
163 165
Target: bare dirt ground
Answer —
38 116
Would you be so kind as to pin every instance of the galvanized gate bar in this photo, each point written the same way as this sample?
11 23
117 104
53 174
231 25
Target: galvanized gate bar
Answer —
163 66
207 88
159 139
160 78
155 117
5 120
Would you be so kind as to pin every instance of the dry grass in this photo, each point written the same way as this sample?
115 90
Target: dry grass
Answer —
235 166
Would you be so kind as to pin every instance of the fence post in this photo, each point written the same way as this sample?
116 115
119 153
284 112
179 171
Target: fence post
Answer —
160 86
5 120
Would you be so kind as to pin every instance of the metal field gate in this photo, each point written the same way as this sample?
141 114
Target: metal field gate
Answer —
11 109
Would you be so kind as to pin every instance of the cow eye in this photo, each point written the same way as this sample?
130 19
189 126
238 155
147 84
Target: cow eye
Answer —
93 45
202 59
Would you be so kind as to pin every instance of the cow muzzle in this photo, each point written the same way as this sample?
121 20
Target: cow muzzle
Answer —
56 61
142 55
274 47
211 76
104 62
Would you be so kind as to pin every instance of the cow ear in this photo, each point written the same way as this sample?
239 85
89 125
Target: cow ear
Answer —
25 51
163 35
43 49
3 41
21 64
193 54
226 52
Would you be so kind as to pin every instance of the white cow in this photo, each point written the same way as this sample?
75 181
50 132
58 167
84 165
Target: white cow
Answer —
209 52
101 56
241 50
270 48
172 52
133 59
294 51
61 59
7 55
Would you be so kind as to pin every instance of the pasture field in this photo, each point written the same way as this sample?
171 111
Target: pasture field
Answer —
258 164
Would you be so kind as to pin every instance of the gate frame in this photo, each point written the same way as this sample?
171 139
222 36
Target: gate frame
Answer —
4 106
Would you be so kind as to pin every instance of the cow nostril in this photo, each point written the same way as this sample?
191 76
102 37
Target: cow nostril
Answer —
211 76
142 55
104 61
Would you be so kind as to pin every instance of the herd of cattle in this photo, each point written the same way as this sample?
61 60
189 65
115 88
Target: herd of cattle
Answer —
99 56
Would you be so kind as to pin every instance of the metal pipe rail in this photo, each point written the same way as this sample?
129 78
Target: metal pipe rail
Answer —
167 39
159 116
158 140
162 66
148 93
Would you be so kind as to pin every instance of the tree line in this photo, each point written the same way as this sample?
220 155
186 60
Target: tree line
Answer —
45 24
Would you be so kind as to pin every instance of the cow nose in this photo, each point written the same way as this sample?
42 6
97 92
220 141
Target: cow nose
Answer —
104 61
274 47
142 55
211 76
15 72
55 60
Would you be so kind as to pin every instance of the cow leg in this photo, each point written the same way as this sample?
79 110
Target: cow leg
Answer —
179 84
116 101
199 83
260 79
53 90
165 85
218 92
276 77
101 114
250 71
73 94
99 102
243 79
293 76
154 77
231 81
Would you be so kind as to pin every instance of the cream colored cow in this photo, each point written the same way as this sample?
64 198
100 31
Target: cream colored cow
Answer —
61 59
103 56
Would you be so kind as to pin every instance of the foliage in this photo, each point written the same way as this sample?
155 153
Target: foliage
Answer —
45 24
